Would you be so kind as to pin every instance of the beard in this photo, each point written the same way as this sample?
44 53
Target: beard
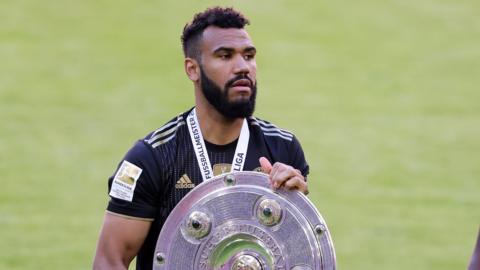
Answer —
218 98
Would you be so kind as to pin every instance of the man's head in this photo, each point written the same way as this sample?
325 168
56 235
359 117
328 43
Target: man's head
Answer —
220 60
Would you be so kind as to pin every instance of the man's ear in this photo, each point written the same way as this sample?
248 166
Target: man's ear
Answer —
192 69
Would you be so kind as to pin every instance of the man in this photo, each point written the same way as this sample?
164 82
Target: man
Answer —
193 147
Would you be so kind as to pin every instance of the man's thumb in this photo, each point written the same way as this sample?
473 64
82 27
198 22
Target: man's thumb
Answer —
265 164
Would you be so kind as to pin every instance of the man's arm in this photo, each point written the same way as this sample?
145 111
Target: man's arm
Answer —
120 240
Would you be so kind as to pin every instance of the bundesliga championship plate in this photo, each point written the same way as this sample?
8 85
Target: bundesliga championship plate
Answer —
237 222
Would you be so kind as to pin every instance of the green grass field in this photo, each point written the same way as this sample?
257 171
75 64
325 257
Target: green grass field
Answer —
384 96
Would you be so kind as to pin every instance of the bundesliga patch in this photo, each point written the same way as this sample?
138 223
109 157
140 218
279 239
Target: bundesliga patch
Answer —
221 168
125 180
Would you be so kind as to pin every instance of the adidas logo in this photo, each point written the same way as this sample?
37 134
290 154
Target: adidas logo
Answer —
184 182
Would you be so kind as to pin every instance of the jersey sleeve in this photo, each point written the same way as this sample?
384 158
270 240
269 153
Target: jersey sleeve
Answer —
134 187
297 158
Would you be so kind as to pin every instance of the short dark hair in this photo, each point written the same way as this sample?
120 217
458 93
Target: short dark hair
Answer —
216 16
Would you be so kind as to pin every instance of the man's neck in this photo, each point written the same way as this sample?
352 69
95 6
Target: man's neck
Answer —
215 127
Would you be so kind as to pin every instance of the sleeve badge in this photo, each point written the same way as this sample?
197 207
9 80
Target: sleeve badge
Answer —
125 180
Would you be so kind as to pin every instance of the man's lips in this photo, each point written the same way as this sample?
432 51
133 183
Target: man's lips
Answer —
242 82
242 85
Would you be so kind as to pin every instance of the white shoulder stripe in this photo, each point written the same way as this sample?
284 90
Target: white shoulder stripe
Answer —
166 126
165 133
160 142
272 130
166 129
275 134
270 127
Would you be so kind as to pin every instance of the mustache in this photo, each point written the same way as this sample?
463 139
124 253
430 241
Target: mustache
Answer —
236 78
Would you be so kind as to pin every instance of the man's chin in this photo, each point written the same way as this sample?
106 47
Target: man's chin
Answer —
239 110
241 105
240 100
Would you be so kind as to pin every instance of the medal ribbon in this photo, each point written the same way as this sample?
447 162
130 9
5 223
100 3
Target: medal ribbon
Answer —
201 150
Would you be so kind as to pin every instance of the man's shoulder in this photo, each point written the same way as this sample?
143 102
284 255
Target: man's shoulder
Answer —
167 132
270 130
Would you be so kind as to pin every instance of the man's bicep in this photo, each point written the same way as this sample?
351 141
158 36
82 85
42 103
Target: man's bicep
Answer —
120 240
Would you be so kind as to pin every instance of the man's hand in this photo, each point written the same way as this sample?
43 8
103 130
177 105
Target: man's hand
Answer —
282 175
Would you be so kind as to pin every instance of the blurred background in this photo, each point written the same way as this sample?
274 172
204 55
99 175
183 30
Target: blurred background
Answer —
383 95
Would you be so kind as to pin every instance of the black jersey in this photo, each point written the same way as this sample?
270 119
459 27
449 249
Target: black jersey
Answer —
162 168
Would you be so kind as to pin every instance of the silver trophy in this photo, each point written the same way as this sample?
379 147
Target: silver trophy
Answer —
237 222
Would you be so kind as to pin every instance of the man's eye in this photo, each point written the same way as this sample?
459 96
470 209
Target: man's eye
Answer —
249 56
224 56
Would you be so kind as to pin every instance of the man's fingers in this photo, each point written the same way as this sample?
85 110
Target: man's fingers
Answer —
280 174
296 183
265 164
293 183
289 178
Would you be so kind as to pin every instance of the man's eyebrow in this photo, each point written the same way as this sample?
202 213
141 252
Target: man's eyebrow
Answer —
223 49
248 49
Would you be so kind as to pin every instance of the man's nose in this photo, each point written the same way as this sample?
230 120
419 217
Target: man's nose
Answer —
241 65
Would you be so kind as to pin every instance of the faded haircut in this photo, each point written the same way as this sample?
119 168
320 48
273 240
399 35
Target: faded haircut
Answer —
215 16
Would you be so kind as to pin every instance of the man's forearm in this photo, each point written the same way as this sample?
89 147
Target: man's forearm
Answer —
102 262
